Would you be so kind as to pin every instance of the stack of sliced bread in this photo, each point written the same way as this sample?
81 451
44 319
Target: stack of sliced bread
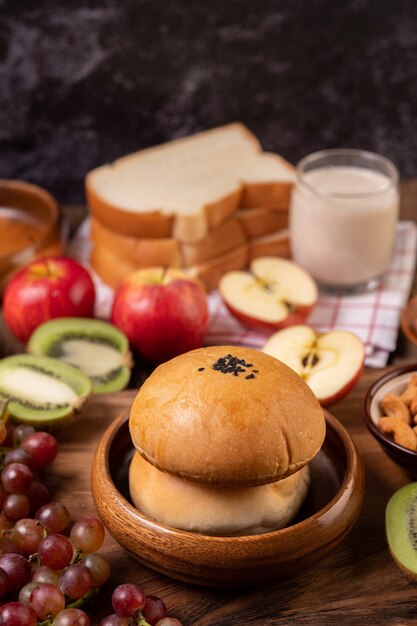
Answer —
208 203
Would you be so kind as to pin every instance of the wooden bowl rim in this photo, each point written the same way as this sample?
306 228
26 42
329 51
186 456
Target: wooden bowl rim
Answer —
405 320
48 201
352 460
382 438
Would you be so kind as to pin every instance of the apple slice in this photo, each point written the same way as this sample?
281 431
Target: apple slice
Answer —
331 363
274 293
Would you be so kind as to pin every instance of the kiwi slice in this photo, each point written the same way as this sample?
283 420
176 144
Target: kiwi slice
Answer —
41 391
97 348
401 528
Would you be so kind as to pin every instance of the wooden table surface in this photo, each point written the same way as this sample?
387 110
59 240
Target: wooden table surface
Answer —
358 584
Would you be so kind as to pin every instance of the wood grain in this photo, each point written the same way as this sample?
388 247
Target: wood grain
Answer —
357 585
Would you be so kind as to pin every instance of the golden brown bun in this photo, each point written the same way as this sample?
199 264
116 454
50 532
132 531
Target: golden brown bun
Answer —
189 506
203 425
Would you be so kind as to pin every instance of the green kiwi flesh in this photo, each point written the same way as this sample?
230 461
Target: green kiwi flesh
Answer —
97 348
42 391
401 528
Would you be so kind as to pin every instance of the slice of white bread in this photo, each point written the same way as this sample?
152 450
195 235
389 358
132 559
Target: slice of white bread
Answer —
189 186
141 252
274 244
259 222
210 272
217 242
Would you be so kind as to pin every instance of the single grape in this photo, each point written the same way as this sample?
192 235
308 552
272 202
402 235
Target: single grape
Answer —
99 568
27 535
54 516
42 446
17 614
17 569
38 495
127 599
154 609
16 478
4 582
71 617
46 600
43 574
24 593
16 506
87 534
168 621
21 432
76 581
55 551
18 455
114 620
3 431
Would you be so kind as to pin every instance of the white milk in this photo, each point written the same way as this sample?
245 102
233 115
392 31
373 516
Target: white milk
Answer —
343 240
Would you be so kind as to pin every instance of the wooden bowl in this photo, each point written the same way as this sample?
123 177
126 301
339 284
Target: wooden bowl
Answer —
395 382
29 226
331 508
409 320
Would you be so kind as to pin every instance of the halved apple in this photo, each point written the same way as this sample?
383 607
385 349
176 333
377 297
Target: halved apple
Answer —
331 363
274 293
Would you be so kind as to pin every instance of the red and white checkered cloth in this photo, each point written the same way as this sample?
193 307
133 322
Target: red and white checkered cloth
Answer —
374 316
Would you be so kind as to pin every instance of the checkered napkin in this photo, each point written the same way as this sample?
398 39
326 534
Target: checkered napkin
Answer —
374 316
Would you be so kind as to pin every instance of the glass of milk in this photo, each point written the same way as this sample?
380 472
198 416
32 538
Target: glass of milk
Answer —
344 209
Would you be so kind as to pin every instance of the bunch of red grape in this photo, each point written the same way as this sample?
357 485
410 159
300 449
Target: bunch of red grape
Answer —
46 575
43 572
21 492
133 608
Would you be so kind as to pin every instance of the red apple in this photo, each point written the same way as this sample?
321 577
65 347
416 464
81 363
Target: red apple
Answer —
275 293
330 363
44 289
162 311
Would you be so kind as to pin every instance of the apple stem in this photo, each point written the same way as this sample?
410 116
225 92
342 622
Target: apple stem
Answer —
164 272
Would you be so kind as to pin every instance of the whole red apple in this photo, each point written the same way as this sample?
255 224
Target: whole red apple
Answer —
44 289
162 311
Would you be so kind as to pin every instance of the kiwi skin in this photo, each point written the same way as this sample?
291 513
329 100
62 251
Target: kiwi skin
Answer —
401 529
49 416
48 338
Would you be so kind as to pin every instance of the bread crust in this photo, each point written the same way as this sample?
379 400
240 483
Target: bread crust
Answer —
220 429
210 272
218 242
274 244
260 222
137 250
192 507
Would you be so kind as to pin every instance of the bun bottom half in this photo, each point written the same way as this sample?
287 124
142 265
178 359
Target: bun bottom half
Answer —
193 507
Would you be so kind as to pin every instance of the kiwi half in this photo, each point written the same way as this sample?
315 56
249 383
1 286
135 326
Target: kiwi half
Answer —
401 528
41 391
97 348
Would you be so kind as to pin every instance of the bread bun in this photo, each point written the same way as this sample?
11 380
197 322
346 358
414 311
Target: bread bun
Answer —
227 416
190 506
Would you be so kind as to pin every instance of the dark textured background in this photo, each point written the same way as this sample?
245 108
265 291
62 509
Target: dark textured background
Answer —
83 82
